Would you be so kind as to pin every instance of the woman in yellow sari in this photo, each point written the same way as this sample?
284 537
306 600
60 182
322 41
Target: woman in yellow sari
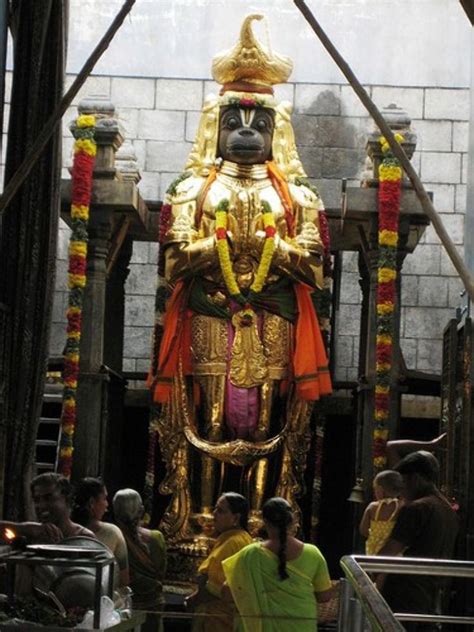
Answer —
230 525
276 584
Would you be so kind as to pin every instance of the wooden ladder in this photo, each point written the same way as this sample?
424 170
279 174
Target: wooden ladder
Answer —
47 438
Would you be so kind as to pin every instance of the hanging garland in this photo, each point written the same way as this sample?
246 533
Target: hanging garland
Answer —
390 180
82 170
224 253
162 295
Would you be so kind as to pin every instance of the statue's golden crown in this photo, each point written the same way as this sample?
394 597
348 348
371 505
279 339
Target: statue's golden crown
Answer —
250 62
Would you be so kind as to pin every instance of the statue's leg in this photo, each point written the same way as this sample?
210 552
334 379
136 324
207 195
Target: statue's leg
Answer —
209 340
276 336
295 449
212 408
256 481
175 453
257 474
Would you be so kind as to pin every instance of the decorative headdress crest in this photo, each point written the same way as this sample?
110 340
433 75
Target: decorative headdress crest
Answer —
247 72
249 62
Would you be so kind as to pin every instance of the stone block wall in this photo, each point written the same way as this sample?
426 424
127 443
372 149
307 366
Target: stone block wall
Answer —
160 117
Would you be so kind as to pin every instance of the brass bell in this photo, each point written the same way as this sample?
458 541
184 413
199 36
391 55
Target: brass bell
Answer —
357 493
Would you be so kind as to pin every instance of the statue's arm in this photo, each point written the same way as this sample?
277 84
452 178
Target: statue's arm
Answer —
301 258
186 253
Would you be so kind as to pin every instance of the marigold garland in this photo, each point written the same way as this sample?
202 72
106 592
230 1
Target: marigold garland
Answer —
390 180
224 253
82 170
162 295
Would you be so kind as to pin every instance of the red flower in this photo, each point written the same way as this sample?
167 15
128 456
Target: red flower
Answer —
386 292
381 401
69 415
389 194
71 370
77 264
82 179
165 216
383 353
221 233
247 103
270 231
324 231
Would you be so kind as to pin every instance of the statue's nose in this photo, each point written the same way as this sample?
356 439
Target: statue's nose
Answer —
246 131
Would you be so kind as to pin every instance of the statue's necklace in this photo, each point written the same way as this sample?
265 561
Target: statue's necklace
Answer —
224 254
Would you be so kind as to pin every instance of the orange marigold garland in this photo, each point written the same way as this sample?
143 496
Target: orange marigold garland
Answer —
390 180
82 170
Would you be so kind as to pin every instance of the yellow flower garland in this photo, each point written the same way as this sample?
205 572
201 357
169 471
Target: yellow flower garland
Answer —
224 253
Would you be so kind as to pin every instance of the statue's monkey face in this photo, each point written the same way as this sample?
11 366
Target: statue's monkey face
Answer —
245 134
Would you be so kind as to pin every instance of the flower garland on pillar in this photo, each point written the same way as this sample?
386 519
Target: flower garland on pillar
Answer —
390 180
82 171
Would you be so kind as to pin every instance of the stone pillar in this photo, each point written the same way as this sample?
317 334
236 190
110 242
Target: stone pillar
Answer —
90 438
118 261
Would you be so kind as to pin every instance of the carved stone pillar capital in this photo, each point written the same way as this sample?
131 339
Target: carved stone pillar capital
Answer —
108 134
127 164
399 122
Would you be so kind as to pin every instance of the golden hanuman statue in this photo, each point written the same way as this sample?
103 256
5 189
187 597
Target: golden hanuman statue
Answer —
239 356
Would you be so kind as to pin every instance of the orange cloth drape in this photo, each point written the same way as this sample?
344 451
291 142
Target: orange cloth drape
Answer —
310 364
281 186
175 344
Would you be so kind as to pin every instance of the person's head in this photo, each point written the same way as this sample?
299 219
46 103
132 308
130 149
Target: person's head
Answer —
231 512
278 518
128 507
90 500
388 484
420 472
52 497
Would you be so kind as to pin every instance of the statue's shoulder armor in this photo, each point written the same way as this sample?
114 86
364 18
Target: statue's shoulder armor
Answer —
304 194
185 188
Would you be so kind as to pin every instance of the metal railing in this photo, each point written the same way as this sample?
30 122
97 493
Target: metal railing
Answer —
362 607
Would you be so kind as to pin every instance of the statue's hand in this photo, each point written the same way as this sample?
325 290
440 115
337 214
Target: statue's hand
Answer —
256 243
230 238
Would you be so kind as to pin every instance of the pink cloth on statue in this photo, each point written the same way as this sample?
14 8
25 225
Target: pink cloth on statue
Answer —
241 404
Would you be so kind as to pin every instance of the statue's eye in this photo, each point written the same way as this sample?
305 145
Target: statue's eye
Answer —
261 125
232 122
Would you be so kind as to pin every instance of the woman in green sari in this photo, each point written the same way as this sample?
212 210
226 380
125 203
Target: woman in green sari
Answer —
146 557
276 583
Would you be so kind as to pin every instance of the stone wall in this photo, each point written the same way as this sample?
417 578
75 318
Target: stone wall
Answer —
160 118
